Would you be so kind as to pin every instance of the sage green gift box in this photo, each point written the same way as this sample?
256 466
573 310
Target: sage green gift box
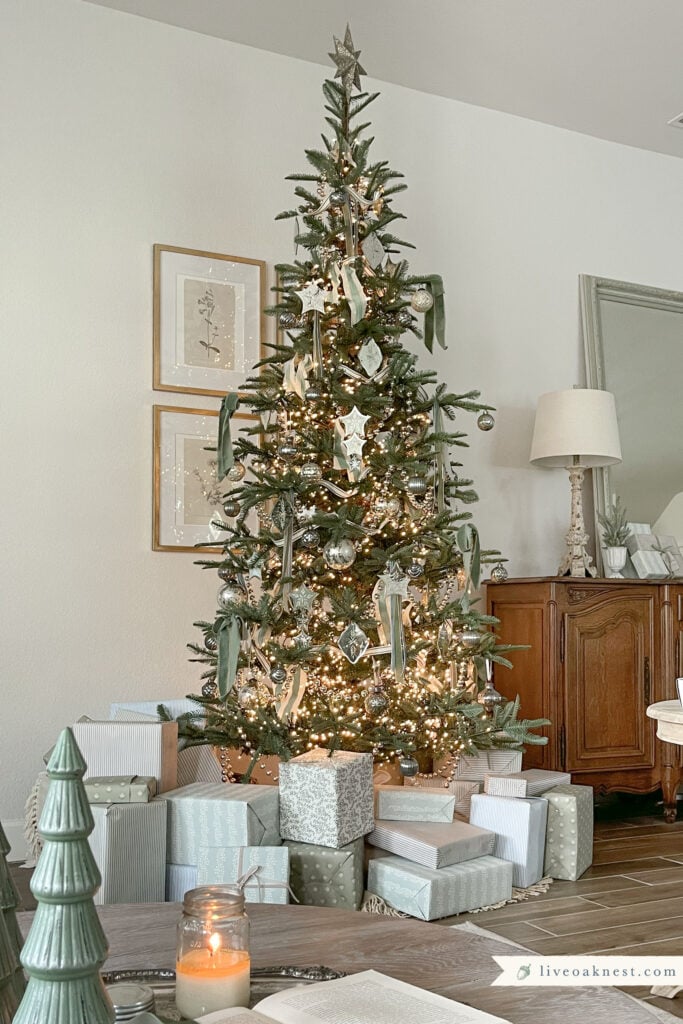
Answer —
321 876
408 803
120 789
569 836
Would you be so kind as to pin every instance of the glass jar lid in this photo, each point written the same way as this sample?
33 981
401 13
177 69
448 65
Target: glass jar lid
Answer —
130 999
214 901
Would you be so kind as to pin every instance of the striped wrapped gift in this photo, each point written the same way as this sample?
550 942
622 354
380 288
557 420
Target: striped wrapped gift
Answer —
180 878
520 832
175 707
130 748
326 800
462 791
569 840
324 877
195 764
408 803
429 894
532 782
486 762
434 845
216 814
129 846
219 865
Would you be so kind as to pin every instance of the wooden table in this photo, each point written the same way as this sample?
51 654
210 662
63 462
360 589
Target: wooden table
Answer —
453 963
669 717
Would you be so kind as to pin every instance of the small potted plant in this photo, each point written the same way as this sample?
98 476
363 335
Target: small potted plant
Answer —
615 532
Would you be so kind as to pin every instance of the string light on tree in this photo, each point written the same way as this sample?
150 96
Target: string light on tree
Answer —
346 618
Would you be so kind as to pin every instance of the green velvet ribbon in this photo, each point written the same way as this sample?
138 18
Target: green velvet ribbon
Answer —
229 636
435 318
226 457
468 542
317 358
398 640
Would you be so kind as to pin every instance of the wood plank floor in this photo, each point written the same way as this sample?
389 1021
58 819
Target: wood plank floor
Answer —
630 901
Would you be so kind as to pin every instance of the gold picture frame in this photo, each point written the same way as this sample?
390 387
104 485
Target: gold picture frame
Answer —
187 492
209 324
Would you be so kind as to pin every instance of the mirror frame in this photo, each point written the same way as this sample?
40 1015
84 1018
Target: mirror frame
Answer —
592 290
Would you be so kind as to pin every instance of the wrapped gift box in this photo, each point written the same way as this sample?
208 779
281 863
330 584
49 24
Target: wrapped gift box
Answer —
569 838
120 789
219 865
129 846
195 764
429 894
520 826
175 707
532 782
326 801
220 814
180 878
486 762
646 555
462 791
433 845
130 748
321 876
408 803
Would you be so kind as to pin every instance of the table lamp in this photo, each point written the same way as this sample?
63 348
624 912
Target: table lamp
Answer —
576 429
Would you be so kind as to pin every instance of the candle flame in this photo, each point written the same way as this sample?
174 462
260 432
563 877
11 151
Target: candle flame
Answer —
214 942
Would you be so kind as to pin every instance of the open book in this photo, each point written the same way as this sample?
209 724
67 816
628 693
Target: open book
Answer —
365 998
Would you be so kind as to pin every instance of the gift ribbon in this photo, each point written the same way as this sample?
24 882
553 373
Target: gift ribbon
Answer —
244 879
226 457
292 694
229 638
390 607
468 542
440 482
435 318
353 292
317 360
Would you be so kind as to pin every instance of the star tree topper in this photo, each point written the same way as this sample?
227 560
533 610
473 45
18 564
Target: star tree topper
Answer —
348 66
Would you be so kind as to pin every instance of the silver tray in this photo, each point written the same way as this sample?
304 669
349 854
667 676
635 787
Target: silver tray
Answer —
264 982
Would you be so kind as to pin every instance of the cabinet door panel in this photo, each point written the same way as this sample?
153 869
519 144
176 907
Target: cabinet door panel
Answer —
608 683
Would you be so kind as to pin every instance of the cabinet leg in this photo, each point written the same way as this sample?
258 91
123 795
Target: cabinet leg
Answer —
671 776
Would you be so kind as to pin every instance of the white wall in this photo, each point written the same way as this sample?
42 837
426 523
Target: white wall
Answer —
120 132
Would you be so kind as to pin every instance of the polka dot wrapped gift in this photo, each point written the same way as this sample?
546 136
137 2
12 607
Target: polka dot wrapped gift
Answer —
569 836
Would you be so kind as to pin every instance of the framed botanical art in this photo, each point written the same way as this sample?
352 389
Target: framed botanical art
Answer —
188 497
208 320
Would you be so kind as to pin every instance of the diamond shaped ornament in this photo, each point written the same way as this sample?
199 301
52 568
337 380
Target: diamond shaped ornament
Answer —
353 643
373 250
370 357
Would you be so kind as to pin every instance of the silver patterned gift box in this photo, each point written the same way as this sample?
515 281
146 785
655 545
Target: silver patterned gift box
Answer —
520 826
129 846
321 876
219 814
569 838
326 801
219 865
429 894
434 845
130 748
120 789
180 878
408 803
486 762
461 790
532 782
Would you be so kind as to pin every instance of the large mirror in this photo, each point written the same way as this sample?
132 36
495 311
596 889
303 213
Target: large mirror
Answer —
633 338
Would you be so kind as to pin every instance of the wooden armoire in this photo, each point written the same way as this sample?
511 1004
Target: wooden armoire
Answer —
599 651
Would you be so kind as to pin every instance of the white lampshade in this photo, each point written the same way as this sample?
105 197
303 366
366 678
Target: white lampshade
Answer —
579 421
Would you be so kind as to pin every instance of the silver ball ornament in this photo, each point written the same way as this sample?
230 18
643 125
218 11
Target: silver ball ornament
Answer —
415 570
404 317
422 301
229 593
278 674
310 538
485 421
339 554
408 766
231 508
313 393
209 688
288 450
376 701
417 485
226 574
469 638
210 642
338 197
311 473
247 695
236 472
288 319
499 573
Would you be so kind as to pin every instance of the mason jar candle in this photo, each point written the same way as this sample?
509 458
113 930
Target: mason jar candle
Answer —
212 960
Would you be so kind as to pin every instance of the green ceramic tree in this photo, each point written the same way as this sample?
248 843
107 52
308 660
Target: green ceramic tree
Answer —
9 901
66 946
9 967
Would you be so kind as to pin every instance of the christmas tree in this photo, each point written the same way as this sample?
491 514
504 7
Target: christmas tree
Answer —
9 901
65 947
345 616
